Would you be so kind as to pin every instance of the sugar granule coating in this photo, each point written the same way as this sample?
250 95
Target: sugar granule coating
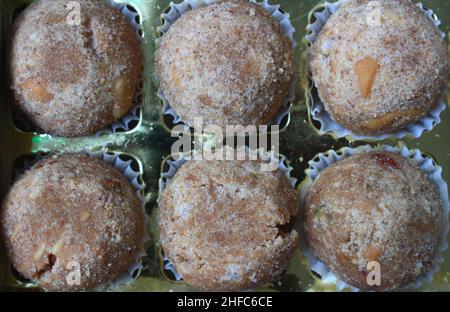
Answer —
72 209
378 76
228 63
225 225
73 80
375 206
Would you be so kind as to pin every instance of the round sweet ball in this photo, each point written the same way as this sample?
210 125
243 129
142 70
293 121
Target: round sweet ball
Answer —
379 66
72 223
228 63
375 208
227 226
74 70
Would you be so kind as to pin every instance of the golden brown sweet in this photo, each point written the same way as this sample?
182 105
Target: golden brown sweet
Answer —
375 206
73 80
72 208
228 63
227 226
376 75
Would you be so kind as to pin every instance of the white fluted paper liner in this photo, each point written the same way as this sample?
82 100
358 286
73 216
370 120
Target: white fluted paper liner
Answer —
177 9
327 123
426 163
133 177
125 123
176 164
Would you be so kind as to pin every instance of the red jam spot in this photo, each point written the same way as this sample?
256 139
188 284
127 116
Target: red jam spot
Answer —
109 183
386 161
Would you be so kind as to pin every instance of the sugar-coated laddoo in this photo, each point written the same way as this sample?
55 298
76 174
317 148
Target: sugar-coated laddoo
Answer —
72 216
73 79
228 63
374 206
379 68
225 225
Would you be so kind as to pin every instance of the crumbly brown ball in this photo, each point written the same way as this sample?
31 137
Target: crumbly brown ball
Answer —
73 80
227 226
72 208
375 206
228 63
378 76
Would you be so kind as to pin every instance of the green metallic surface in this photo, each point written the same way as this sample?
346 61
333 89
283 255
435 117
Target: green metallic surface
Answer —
150 142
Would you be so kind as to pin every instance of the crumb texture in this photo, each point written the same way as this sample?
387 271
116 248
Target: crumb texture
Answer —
72 208
226 225
73 80
378 75
228 63
375 206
